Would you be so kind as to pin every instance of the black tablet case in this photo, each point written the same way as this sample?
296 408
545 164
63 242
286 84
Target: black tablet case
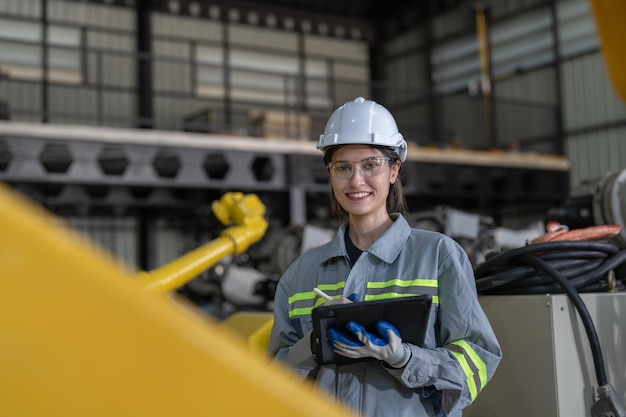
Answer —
409 315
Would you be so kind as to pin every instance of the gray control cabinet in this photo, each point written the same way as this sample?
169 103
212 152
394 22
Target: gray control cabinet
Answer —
547 368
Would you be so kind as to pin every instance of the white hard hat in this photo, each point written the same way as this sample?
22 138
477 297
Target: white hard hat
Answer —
363 122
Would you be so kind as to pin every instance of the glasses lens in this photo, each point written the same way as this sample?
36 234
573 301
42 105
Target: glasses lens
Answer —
368 167
341 169
371 166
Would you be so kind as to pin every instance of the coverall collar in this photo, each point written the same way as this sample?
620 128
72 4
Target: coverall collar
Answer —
386 248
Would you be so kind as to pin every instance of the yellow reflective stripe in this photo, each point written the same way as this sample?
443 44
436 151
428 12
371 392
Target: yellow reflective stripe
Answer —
404 283
476 373
319 301
479 365
325 287
304 311
309 295
370 297
386 296
471 385
302 303
390 289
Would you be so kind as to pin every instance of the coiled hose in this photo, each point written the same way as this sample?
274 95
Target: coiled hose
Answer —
570 267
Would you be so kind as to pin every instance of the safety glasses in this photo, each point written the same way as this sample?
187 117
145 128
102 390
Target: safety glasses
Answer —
368 167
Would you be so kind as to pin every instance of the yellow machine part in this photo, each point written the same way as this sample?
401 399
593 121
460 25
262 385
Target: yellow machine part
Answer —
610 16
244 215
254 328
82 337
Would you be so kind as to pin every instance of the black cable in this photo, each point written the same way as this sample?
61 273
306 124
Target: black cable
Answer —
575 266
504 274
580 306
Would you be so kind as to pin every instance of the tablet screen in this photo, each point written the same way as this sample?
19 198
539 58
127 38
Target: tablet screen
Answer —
409 315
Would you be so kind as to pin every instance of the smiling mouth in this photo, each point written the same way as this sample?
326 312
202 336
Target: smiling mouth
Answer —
358 195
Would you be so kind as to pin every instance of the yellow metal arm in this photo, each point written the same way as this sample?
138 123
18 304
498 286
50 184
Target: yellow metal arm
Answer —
245 212
610 16
81 338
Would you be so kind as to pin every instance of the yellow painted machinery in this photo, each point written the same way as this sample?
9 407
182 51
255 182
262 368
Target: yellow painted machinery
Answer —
249 226
609 17
84 336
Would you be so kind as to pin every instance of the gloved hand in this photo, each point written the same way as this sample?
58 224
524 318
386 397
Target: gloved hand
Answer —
359 343
340 300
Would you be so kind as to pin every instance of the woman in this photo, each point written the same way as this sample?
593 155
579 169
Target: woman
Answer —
376 254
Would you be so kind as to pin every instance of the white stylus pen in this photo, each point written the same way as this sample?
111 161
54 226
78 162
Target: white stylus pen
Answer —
321 293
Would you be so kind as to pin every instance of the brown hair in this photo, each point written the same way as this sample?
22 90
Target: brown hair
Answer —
396 202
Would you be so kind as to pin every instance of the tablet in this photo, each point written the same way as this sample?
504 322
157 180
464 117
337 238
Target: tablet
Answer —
408 314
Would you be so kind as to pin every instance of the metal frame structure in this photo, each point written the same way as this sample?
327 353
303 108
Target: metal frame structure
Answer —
119 167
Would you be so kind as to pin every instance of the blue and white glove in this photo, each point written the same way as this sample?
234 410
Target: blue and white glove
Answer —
359 343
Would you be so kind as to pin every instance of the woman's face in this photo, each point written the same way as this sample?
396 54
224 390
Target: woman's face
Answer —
360 195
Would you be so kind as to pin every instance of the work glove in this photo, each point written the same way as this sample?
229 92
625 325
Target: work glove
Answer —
352 298
386 346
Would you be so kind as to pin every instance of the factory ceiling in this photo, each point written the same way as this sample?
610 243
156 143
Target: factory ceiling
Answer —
382 18
353 9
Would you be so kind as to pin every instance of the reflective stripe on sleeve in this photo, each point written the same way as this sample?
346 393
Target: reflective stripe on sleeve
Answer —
473 366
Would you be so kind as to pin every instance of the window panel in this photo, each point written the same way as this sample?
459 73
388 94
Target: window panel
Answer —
523 42
22 31
263 61
577 31
20 52
455 63
208 54
316 68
